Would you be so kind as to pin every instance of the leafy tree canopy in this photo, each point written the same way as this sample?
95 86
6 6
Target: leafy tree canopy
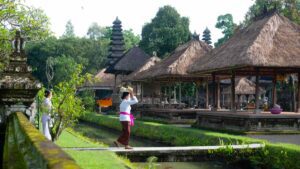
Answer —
14 15
165 32
226 24
69 32
288 8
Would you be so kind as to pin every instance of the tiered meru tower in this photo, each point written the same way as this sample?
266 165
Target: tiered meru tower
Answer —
116 49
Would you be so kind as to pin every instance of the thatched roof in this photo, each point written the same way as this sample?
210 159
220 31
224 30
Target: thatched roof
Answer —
105 81
273 41
136 74
178 62
133 59
243 86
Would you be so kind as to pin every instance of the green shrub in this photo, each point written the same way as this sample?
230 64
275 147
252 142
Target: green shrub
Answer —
273 156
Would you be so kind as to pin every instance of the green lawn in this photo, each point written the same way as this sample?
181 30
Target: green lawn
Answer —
90 159
273 156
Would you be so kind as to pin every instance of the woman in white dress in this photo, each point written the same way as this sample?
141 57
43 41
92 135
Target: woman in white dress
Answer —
47 108
126 118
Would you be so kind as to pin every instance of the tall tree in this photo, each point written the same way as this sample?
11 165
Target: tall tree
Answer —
226 24
165 32
95 31
206 37
288 8
14 15
130 39
69 32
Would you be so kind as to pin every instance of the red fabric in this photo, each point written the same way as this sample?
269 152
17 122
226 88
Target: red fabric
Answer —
124 138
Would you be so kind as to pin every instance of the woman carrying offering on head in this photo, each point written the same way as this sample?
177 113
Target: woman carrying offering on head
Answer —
126 118
47 108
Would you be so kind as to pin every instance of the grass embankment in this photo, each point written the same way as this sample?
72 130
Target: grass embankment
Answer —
273 156
90 159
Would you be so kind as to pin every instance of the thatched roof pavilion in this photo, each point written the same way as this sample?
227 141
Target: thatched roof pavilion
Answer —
134 76
272 42
105 81
133 59
243 86
267 47
176 65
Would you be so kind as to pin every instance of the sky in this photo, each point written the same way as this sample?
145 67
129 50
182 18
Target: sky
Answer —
135 13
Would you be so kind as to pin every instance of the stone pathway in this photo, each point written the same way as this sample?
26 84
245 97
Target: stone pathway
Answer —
166 149
286 138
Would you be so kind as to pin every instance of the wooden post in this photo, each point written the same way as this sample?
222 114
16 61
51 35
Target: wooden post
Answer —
180 92
257 92
239 102
218 95
175 100
274 93
207 95
233 108
298 94
142 92
214 105
197 96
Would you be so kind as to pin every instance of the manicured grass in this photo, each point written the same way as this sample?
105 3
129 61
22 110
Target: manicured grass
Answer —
69 139
90 159
97 159
273 156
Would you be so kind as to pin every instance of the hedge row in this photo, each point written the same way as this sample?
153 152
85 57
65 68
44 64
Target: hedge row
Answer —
273 156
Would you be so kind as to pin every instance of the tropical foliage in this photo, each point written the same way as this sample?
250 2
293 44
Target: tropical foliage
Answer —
165 32
14 15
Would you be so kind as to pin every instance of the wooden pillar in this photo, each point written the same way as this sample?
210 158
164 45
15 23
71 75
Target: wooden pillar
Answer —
298 94
179 92
274 93
206 95
214 105
239 102
175 99
233 108
257 92
218 95
197 96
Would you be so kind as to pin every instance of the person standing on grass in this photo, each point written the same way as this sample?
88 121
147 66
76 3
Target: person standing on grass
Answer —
47 108
126 118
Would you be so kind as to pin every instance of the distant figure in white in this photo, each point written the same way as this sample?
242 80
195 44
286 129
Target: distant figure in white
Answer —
47 108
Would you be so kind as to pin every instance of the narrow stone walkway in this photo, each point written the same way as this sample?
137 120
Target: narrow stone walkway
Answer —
284 138
167 149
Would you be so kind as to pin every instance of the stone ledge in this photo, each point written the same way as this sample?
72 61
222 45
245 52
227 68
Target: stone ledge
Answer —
26 142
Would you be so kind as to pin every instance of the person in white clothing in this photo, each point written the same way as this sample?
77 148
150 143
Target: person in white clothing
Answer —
47 108
126 118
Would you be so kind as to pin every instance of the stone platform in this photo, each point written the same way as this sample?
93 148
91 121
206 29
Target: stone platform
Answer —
248 121
173 116
170 154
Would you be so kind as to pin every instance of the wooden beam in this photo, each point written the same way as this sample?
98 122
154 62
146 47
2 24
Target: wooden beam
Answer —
214 105
197 95
239 102
298 94
179 92
233 108
274 93
257 92
206 95
218 95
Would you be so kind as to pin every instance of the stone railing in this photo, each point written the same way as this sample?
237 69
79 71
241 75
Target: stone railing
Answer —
25 147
